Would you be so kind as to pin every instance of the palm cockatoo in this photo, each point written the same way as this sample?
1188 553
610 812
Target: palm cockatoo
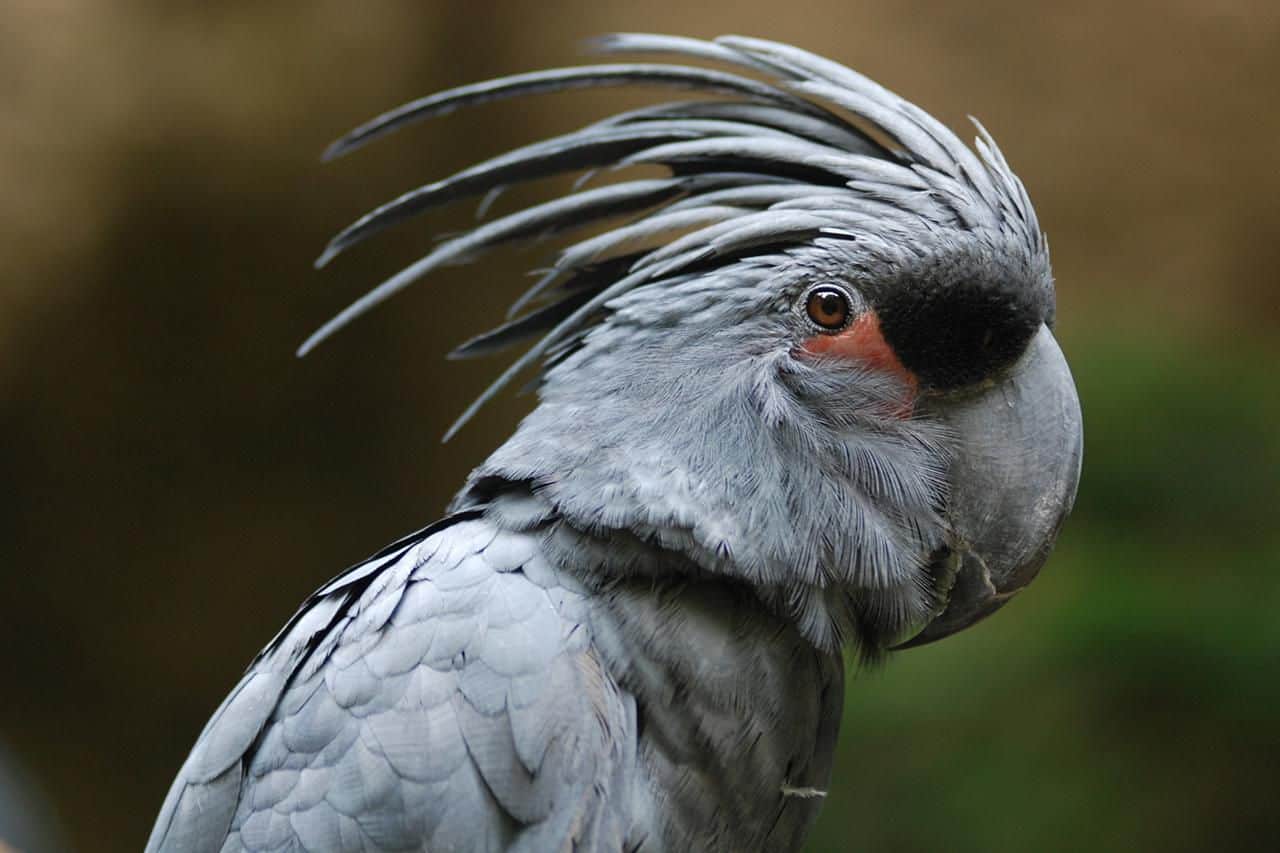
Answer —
800 397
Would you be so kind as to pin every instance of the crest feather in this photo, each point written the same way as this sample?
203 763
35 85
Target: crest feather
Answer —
774 166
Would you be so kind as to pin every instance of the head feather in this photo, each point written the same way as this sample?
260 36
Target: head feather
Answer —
775 167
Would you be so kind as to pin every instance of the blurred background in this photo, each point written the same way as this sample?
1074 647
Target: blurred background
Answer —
173 481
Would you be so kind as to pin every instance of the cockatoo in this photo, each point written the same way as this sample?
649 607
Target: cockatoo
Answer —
796 397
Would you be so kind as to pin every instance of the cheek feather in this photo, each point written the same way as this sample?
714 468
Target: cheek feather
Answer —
864 342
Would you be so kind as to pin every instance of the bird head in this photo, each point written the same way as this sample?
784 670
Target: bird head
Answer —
816 358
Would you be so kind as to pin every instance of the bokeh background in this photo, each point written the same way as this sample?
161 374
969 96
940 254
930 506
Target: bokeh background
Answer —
173 482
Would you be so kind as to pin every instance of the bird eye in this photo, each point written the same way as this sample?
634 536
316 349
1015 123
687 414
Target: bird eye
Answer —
828 307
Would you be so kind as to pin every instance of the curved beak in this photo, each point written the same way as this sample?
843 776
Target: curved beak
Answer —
1013 482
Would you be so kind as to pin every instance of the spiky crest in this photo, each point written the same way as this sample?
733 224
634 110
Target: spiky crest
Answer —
777 166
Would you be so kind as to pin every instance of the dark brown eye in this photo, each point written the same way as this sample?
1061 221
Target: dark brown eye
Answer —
828 307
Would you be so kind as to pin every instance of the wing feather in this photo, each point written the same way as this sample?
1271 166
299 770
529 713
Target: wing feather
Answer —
430 694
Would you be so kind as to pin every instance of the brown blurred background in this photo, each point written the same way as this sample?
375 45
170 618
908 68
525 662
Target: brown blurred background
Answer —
173 481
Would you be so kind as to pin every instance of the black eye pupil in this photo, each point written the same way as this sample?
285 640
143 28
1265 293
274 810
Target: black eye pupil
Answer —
828 307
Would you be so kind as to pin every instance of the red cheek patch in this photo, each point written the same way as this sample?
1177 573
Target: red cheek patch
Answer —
863 341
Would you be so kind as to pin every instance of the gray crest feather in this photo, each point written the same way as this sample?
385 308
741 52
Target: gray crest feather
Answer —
774 166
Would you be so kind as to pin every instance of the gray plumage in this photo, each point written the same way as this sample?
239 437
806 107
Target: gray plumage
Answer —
627 634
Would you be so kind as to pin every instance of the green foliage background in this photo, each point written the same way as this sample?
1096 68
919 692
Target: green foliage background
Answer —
173 482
